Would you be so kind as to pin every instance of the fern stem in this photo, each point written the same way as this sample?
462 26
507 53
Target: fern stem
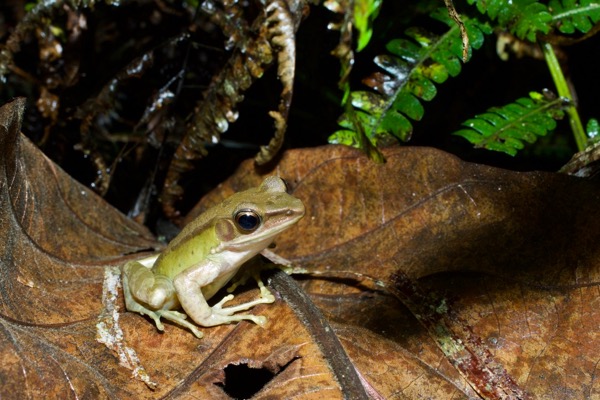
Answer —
563 91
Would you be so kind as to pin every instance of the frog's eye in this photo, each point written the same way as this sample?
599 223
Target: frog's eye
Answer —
247 220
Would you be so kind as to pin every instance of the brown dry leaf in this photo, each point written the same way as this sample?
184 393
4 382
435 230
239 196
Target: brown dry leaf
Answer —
454 280
65 333
441 279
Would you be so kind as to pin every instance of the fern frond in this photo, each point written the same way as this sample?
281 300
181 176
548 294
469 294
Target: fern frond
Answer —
410 72
523 18
506 128
572 15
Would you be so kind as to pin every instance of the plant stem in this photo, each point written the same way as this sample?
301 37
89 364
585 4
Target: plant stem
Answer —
563 91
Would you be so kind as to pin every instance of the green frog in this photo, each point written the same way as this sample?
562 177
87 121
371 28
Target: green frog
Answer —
204 257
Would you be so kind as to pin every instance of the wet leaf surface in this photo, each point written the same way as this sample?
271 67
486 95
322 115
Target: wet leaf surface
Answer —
439 279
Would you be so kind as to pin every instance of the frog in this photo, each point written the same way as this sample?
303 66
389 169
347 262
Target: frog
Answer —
206 255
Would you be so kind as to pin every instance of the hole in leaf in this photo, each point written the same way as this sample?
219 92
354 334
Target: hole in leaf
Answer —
243 382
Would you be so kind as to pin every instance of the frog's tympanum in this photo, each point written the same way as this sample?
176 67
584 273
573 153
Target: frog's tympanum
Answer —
206 255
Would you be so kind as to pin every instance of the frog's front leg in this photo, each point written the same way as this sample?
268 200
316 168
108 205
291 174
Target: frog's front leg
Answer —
189 290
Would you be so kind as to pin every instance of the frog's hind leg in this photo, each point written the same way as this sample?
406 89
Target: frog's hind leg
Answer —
141 285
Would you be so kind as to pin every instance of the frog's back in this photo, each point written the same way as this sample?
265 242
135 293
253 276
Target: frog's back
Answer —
185 254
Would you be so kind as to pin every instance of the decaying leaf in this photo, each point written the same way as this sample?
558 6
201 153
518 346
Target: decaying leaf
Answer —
440 279
57 239
60 245
421 229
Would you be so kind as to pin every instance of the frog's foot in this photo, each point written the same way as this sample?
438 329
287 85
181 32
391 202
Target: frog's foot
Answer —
180 319
136 307
226 315
228 319
265 293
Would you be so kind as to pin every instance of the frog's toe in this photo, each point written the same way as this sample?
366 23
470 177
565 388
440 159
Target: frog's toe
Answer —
260 320
157 322
219 305
257 319
266 295
197 332
175 314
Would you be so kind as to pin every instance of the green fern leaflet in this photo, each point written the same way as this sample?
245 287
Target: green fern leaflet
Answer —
523 18
410 74
506 128
572 15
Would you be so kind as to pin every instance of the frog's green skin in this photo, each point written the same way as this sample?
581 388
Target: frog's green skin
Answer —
207 254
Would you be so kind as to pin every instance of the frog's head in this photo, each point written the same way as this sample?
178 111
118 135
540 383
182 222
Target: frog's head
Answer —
251 219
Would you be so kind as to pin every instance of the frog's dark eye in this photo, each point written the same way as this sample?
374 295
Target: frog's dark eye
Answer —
247 220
